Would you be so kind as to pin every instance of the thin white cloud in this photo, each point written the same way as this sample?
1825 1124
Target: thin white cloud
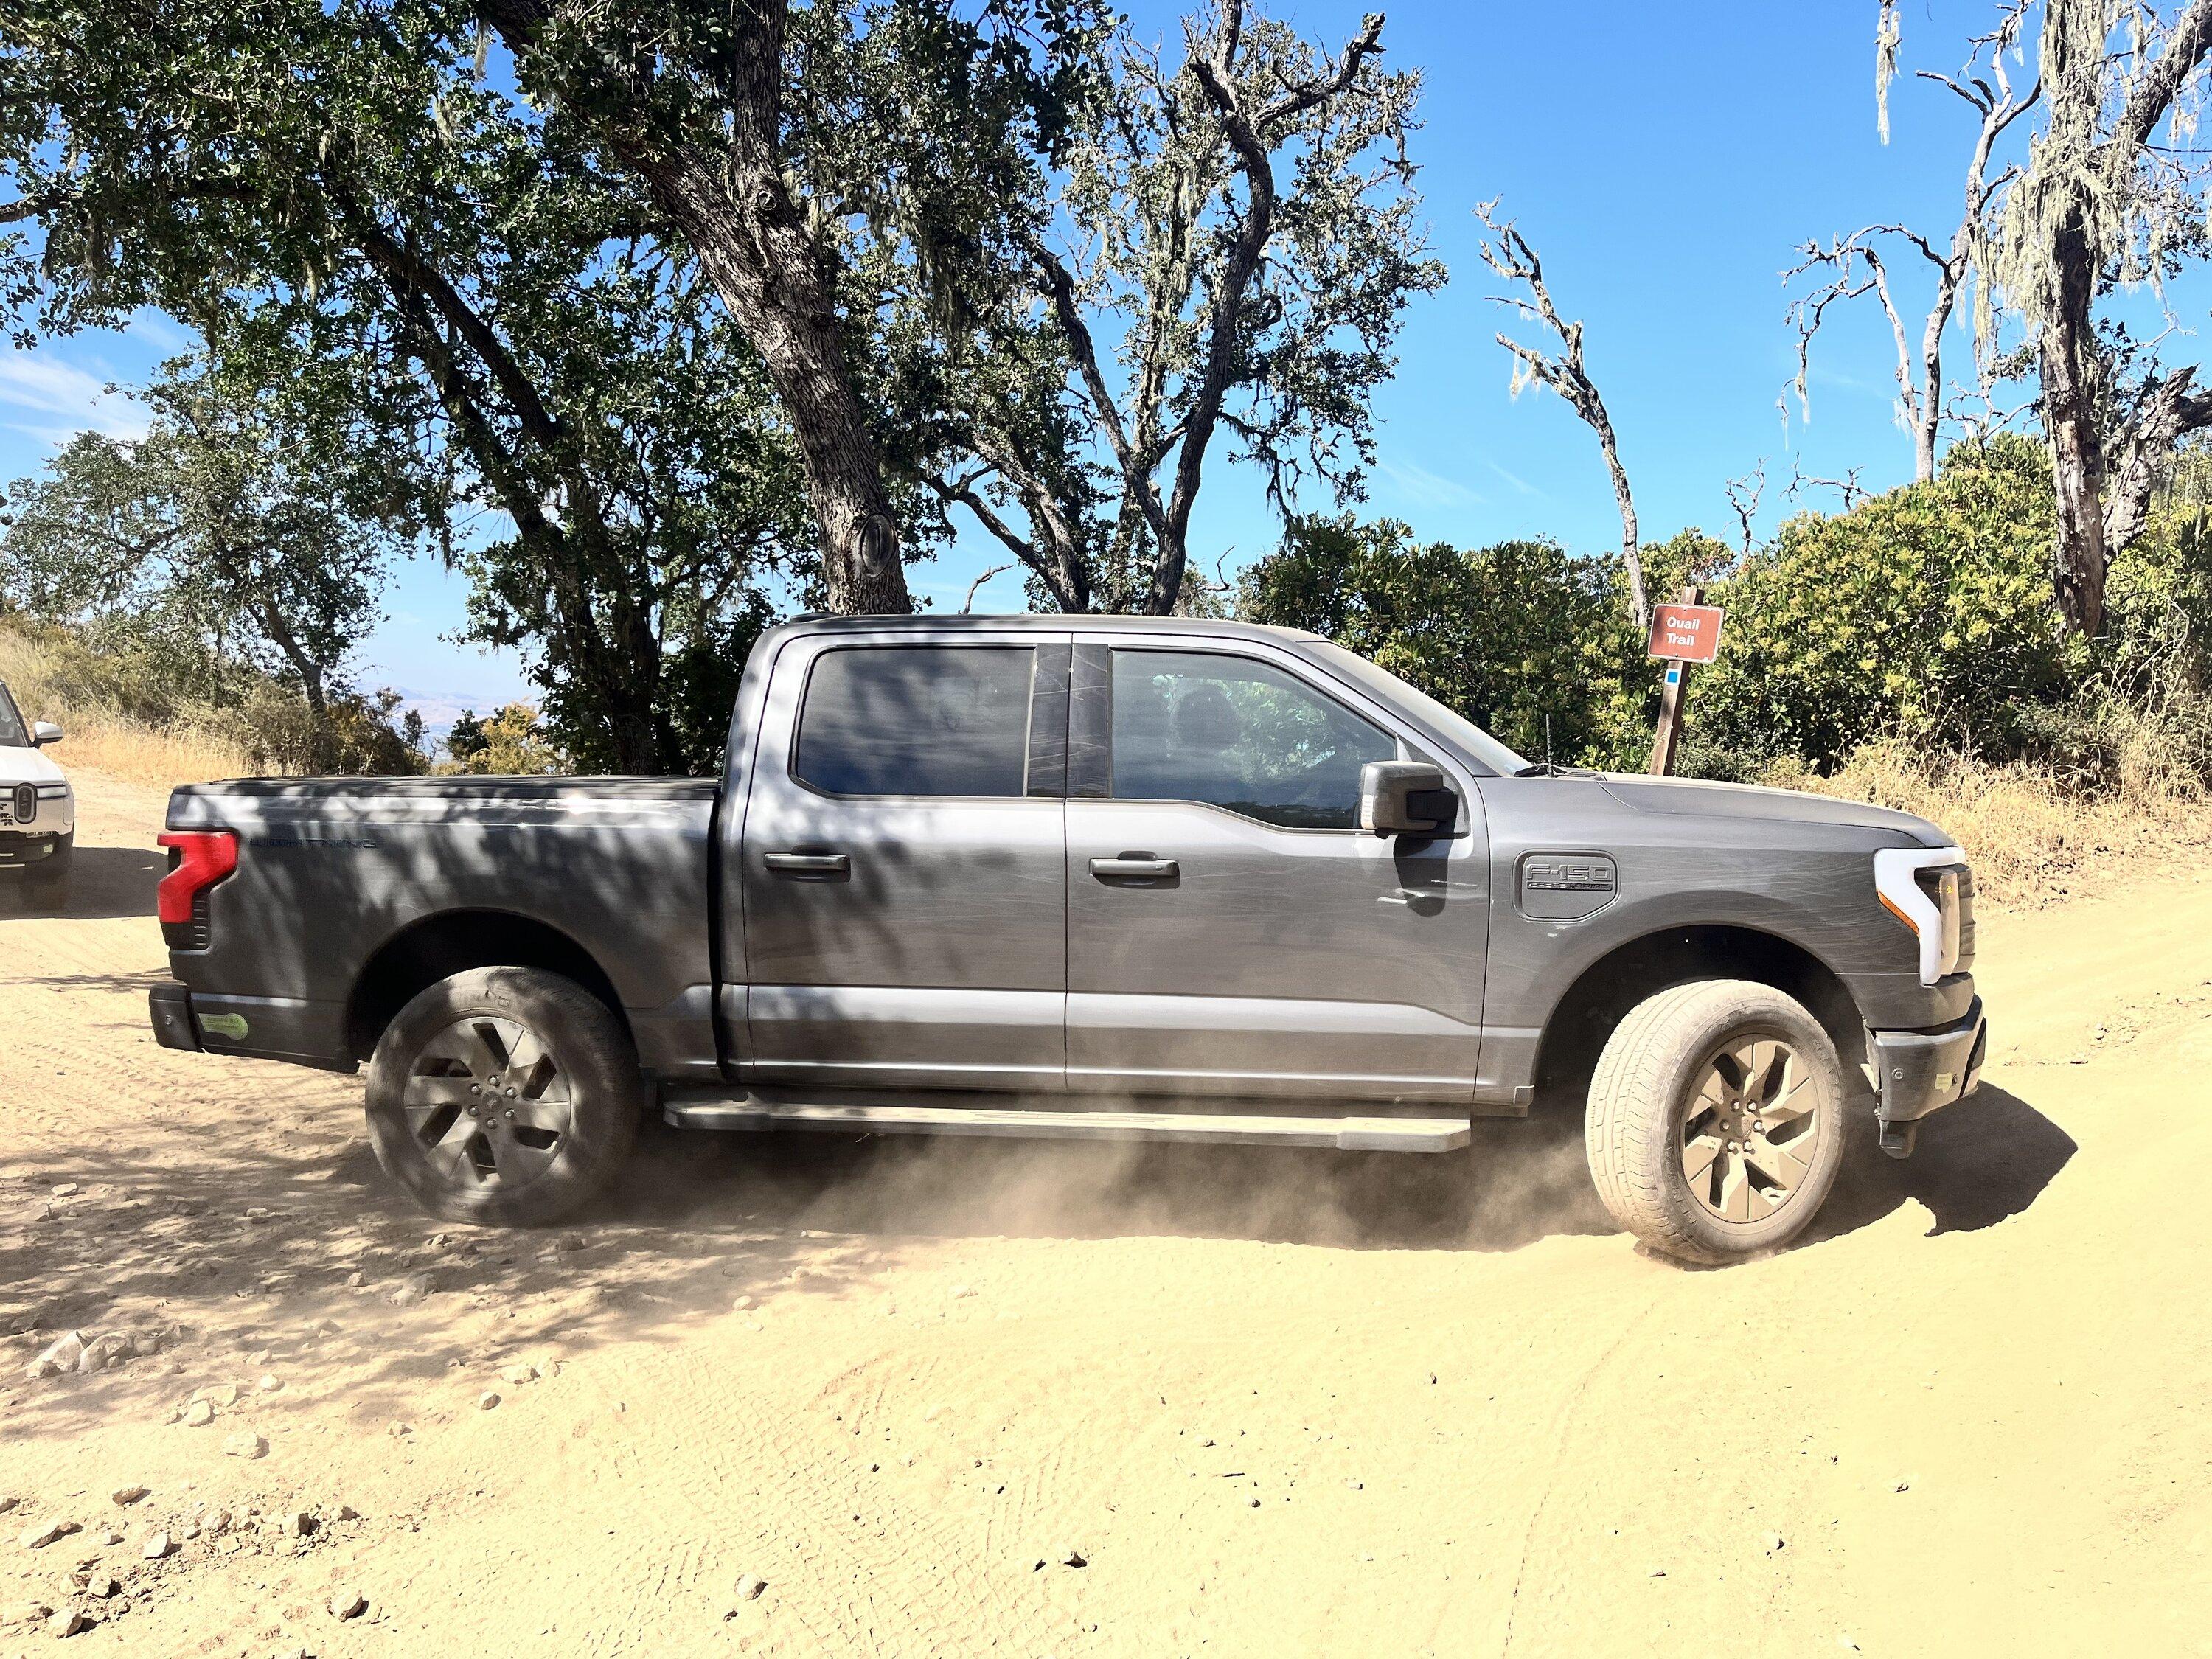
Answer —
36 380
1513 478
1426 488
161 332
47 437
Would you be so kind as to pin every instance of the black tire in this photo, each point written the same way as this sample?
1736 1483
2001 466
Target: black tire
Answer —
47 884
558 1129
1672 1088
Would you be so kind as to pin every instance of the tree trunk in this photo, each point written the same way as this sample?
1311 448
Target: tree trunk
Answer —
756 252
2067 360
2168 411
324 753
1928 414
733 207
631 720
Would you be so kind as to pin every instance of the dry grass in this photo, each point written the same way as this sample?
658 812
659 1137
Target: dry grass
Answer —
2033 841
105 740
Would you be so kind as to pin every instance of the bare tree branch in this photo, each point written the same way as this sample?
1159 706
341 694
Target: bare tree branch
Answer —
1852 491
1251 136
1508 252
1920 382
1743 497
968 604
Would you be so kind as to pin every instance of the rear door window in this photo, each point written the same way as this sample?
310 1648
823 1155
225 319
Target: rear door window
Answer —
917 720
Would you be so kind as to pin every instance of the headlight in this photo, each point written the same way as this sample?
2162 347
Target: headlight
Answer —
1925 889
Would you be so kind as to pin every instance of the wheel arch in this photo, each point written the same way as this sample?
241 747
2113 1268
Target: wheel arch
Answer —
1601 995
452 942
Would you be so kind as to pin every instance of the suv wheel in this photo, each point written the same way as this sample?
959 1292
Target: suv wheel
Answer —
505 1096
1716 1120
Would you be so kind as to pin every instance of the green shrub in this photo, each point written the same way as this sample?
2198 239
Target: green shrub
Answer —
136 672
511 742
1926 612
1925 616
1507 634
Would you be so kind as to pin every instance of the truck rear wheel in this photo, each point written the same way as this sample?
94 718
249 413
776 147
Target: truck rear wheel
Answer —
1716 1120
504 1096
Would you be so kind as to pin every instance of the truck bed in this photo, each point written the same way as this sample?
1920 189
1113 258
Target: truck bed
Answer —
335 871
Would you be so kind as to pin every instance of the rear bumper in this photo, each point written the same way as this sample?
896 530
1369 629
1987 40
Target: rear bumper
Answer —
1917 1073
257 1027
170 1007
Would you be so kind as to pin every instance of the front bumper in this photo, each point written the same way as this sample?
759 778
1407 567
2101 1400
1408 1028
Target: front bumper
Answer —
22 848
1917 1073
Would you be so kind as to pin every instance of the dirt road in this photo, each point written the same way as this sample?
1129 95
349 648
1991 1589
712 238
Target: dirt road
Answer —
1274 1403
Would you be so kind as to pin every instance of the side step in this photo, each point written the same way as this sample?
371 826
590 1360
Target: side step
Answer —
1348 1134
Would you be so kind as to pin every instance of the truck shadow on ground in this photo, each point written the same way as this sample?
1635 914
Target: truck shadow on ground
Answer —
1977 1162
104 882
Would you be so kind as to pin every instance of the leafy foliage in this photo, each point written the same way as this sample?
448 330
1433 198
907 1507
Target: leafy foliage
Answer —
144 674
509 742
243 519
1229 250
1510 635
549 385
1924 616
1926 612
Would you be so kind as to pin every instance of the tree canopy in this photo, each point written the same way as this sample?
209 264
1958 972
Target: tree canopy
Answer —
547 380
1227 252
243 519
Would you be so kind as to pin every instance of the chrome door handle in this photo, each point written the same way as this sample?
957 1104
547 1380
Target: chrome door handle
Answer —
811 864
1135 869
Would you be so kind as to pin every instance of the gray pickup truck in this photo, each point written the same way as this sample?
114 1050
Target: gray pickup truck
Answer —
1086 877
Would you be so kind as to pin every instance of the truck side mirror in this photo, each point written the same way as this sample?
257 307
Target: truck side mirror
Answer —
44 733
1406 797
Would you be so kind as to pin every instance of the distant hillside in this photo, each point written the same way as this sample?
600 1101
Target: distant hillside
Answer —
136 716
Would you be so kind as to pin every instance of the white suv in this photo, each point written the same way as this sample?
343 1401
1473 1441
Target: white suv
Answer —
38 813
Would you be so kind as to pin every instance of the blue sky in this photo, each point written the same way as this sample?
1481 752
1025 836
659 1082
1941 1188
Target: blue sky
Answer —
1664 160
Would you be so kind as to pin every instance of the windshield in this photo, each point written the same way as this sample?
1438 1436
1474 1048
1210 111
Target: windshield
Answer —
12 735
1455 729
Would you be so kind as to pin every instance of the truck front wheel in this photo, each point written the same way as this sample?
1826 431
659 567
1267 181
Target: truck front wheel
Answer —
504 1096
1715 1126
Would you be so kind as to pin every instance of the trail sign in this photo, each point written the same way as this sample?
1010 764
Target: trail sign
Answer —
1685 633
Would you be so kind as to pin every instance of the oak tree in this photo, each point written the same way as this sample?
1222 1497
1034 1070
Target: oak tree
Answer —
1226 258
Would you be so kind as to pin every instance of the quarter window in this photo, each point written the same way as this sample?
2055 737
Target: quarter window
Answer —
916 720
1239 734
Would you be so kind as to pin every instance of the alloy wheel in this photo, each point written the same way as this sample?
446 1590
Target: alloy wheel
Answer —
1750 1135
488 1105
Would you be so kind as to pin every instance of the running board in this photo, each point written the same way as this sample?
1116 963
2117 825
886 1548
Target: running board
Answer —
1348 1134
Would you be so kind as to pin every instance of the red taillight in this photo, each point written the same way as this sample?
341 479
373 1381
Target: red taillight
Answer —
204 857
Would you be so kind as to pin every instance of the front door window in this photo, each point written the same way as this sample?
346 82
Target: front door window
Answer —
1237 733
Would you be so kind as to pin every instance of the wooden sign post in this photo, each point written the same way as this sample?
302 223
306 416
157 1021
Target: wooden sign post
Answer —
1684 632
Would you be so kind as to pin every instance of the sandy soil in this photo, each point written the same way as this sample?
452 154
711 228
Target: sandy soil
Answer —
1274 1403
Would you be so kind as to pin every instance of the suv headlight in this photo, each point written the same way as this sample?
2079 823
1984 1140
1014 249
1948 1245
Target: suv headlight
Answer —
1926 889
